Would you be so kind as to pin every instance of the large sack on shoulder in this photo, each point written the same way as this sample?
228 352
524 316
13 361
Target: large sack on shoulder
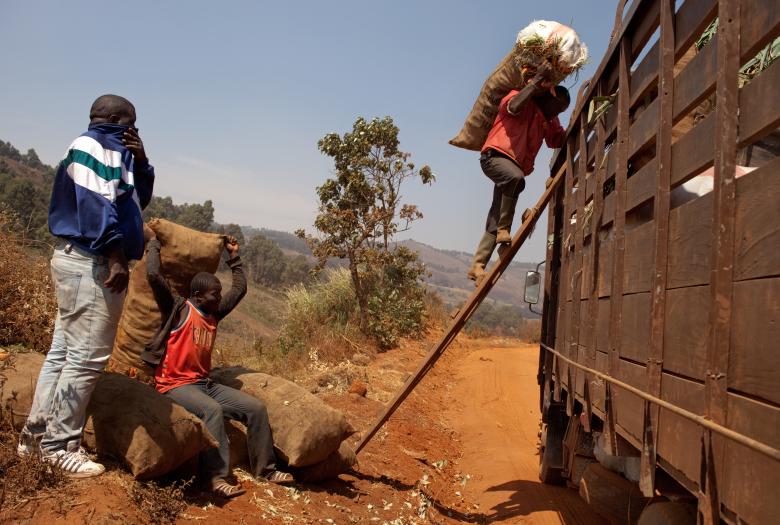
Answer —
540 41
184 252
305 429
504 78
18 378
137 425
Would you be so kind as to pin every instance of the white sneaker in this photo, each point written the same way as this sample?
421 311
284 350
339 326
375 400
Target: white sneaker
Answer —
74 464
28 445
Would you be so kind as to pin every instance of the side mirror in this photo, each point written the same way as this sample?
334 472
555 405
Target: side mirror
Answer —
533 283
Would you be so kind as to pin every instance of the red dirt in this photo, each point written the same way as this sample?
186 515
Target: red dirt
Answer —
462 448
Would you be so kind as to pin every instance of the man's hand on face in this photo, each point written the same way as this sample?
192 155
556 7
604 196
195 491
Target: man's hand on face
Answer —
134 143
231 245
118 274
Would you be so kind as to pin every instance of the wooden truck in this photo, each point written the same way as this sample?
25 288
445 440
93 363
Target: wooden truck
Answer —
660 348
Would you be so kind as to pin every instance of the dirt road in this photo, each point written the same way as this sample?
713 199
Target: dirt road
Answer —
495 412
462 448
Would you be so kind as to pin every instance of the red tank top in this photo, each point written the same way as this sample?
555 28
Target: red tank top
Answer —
188 353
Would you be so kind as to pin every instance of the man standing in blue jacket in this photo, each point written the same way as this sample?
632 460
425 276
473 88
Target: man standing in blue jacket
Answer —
100 188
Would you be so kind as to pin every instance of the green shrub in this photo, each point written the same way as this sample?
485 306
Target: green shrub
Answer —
328 305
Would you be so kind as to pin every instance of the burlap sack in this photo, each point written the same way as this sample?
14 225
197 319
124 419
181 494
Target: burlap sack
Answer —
506 77
338 462
540 41
17 384
305 429
142 428
184 252
127 420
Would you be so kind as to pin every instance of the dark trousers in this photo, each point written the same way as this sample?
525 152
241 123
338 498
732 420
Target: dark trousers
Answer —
508 179
213 403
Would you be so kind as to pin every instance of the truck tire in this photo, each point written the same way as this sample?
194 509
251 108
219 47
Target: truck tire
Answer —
551 446
668 513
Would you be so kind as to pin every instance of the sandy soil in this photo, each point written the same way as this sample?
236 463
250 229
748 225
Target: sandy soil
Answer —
463 448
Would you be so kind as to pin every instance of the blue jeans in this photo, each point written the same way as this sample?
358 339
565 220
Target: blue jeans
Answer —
84 330
213 403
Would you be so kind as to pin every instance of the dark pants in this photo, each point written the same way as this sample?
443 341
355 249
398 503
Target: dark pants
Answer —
213 403
508 179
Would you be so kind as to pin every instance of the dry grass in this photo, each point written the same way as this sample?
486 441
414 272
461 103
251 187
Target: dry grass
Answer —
21 479
162 504
27 301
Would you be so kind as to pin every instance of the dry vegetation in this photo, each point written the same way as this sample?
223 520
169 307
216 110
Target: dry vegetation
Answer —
21 479
27 300
162 504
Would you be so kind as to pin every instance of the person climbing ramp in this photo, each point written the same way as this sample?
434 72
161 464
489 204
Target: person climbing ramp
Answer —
509 134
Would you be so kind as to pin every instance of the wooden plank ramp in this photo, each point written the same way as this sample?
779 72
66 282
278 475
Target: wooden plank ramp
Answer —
470 306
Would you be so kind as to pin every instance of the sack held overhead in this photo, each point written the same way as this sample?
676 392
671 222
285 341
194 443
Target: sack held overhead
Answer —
539 42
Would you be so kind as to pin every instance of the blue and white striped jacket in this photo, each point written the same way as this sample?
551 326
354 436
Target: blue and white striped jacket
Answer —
99 193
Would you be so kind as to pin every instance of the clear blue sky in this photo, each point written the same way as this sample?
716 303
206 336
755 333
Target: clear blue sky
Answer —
233 96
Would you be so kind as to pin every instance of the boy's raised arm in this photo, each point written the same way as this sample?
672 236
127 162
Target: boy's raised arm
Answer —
238 287
163 293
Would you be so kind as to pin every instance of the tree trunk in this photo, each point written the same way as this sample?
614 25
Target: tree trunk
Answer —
360 294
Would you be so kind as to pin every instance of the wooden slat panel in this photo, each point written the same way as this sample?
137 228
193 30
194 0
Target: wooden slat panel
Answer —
694 151
605 267
579 375
587 270
686 330
760 25
750 485
609 208
691 19
758 223
635 332
602 327
597 386
679 439
696 81
756 116
690 243
630 408
644 128
638 271
590 186
645 75
754 367
642 27
641 185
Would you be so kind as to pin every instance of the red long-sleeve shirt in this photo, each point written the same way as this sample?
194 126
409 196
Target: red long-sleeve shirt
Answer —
520 136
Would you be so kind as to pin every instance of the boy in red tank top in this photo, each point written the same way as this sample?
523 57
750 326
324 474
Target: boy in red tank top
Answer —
525 119
181 353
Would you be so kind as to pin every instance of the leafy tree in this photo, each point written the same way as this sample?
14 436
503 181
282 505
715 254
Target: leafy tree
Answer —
161 208
360 208
196 216
265 260
234 230
296 270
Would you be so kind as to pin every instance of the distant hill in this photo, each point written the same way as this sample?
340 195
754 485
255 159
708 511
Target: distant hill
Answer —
448 270
25 186
447 267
